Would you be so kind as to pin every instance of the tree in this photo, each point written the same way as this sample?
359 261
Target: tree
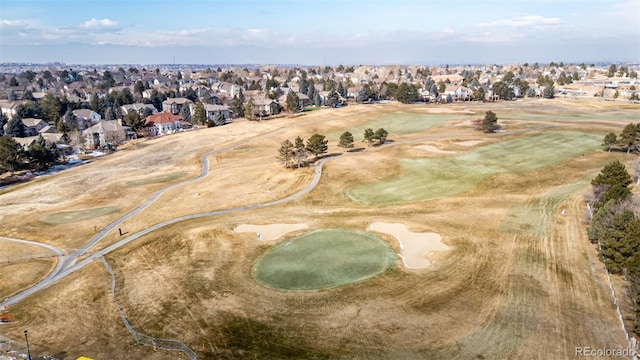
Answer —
406 93
548 92
11 157
489 124
286 152
346 140
612 70
363 95
134 121
199 114
300 150
615 179
293 102
3 120
16 127
41 154
237 106
248 110
317 144
609 140
381 135
185 113
630 137
333 100
13 81
369 135
479 94
531 92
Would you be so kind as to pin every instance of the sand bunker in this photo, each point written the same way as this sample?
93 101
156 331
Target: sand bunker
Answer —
415 247
469 143
434 149
269 232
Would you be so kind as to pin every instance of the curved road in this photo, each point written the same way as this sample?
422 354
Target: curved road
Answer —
69 264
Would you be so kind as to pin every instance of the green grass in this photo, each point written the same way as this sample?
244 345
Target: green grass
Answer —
399 123
622 116
423 179
156 179
67 217
324 259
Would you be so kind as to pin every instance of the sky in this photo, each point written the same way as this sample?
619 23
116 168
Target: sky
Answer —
319 32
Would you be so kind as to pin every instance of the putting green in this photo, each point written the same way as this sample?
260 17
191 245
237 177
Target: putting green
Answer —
156 179
429 178
67 217
323 259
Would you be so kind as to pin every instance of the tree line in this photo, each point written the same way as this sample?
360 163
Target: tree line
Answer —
615 226
296 152
39 156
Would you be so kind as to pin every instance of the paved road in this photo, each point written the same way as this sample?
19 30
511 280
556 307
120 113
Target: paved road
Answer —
70 263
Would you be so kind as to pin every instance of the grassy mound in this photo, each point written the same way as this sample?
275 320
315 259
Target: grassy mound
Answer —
323 259
156 179
429 178
67 217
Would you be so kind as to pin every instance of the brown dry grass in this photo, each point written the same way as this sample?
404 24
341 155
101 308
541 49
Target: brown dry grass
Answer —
497 294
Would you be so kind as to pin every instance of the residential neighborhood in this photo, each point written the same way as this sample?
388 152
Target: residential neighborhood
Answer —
86 107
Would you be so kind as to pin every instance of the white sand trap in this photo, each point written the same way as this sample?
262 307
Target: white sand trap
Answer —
270 232
469 143
415 247
431 148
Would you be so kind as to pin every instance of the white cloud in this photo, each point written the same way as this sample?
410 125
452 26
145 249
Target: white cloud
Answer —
530 21
100 25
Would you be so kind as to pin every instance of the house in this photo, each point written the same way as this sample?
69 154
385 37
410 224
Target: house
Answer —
212 110
86 118
162 80
265 106
162 123
174 105
34 126
9 108
139 107
105 133
303 100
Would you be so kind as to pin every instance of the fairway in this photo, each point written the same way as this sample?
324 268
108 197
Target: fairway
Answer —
429 178
323 259
156 179
399 123
67 217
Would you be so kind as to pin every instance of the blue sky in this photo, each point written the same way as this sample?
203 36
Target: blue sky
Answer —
319 32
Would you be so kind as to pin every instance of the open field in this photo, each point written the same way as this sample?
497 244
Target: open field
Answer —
156 179
519 280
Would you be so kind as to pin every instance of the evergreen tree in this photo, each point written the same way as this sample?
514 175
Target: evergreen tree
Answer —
369 136
381 135
185 113
199 114
317 101
609 140
237 106
3 122
134 121
616 180
11 155
286 152
249 109
293 102
300 150
41 154
630 137
317 144
548 92
219 119
16 127
489 124
346 140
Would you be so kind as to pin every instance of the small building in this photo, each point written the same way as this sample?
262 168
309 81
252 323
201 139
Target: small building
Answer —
212 110
105 133
139 107
86 118
162 123
34 126
174 105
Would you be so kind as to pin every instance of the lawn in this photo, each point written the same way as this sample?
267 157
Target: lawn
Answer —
423 179
399 123
324 259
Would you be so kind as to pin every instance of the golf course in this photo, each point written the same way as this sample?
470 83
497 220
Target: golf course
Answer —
444 242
